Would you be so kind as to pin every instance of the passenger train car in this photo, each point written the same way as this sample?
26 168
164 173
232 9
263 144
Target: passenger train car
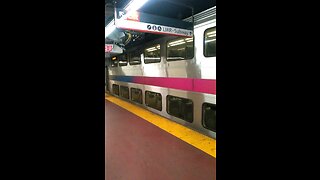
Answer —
174 77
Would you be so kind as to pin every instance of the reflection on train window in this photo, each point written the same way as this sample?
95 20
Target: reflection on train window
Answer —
124 92
154 100
180 107
180 49
115 89
136 95
114 62
135 58
123 60
152 54
210 42
209 116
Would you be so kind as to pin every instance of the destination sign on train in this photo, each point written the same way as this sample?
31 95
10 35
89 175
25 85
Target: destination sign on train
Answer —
148 23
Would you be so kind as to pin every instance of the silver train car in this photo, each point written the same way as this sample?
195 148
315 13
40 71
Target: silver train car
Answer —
174 77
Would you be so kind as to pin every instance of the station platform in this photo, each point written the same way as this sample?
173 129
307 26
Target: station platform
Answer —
137 149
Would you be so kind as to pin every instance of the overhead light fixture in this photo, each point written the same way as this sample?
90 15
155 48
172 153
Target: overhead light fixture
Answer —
109 28
134 5
131 7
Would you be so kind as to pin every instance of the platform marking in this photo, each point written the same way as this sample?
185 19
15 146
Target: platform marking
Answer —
200 141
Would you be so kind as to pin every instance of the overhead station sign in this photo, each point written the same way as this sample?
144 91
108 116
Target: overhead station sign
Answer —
143 22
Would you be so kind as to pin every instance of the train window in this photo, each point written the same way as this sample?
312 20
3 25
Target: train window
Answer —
154 100
124 92
152 54
209 116
123 60
136 95
115 89
114 62
135 58
180 49
180 107
210 42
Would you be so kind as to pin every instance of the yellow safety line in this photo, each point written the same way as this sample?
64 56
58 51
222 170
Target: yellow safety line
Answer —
192 137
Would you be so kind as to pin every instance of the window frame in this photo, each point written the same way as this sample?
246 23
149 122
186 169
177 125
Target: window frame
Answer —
117 88
202 114
178 59
167 107
125 54
204 41
117 65
144 53
120 94
130 56
132 96
145 95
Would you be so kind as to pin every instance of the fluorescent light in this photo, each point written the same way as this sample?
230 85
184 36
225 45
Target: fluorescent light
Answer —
134 5
212 32
152 48
211 40
152 58
174 42
109 29
177 44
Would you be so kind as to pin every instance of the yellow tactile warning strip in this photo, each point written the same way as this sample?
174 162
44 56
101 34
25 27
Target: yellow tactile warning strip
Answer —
192 137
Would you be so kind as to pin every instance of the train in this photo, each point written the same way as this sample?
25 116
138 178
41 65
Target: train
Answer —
174 77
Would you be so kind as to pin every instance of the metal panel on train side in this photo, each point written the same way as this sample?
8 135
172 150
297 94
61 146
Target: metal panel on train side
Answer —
199 67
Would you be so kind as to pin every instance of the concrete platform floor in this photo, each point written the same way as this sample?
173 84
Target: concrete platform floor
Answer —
139 150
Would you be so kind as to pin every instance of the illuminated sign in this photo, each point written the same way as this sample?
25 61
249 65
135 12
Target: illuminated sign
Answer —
143 22
108 48
153 28
134 16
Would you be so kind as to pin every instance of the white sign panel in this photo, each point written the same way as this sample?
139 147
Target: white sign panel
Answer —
152 28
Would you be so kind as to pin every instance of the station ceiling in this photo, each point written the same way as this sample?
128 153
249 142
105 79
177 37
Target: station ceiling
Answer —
168 8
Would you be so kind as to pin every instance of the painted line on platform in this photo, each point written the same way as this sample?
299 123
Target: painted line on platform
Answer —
200 141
